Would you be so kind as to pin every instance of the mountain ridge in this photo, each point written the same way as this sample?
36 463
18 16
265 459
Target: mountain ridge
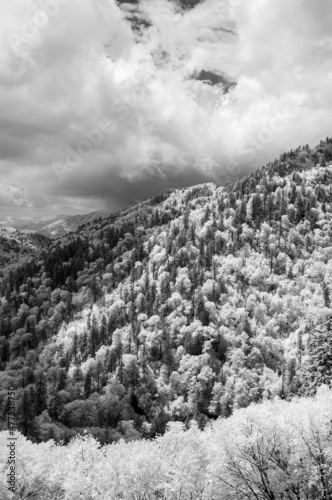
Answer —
50 226
187 306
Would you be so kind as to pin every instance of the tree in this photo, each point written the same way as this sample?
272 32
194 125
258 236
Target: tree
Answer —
93 336
61 380
41 392
54 405
25 411
87 384
4 352
318 368
103 330
326 294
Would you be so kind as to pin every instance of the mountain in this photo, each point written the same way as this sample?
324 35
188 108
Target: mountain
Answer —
193 304
51 226
17 247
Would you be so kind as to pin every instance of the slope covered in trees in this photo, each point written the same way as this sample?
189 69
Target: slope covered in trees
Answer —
185 307
16 247
271 451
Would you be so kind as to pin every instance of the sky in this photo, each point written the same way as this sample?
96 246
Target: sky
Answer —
102 104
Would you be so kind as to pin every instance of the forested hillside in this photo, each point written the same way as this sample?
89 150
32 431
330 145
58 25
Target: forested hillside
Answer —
271 451
16 247
186 307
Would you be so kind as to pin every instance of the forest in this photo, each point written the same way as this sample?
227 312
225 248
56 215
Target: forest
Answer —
189 307
269 451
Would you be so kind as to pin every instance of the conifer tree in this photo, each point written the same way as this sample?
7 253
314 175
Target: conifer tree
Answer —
25 412
41 393
61 380
103 330
326 294
318 368
87 384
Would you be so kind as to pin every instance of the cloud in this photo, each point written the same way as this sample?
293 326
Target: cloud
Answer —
13 196
83 63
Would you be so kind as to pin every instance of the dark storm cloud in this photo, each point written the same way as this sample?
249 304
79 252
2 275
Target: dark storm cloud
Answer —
115 192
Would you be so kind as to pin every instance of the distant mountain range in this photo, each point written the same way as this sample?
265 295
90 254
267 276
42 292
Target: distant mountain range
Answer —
16 246
51 226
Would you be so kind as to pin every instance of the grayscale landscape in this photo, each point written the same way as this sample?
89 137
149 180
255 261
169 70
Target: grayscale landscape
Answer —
165 250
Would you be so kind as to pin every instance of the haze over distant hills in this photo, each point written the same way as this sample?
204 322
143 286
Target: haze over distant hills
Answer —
51 226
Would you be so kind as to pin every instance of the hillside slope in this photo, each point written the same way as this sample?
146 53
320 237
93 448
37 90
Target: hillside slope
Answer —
272 450
17 247
188 306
